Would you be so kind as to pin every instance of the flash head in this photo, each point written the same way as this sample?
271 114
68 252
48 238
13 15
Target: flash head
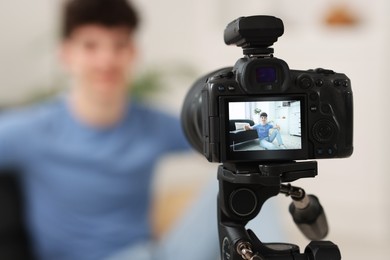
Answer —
254 32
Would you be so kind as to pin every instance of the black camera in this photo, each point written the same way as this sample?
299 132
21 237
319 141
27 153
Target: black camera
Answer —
260 110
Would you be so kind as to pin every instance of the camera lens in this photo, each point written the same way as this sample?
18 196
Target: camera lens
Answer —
191 114
324 131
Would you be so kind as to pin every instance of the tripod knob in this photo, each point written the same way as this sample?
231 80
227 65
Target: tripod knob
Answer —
310 217
243 202
244 249
322 250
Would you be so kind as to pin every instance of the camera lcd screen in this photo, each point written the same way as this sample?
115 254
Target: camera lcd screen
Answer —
265 125
265 75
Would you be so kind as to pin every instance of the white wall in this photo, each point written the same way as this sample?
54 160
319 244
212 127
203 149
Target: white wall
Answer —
26 47
353 191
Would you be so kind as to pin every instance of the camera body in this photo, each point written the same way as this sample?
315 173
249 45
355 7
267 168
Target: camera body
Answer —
261 111
317 104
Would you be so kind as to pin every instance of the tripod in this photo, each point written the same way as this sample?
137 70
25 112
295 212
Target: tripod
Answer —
243 189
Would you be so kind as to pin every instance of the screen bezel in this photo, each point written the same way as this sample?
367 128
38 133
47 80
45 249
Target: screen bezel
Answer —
262 155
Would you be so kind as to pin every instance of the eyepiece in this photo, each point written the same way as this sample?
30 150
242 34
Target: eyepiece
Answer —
191 115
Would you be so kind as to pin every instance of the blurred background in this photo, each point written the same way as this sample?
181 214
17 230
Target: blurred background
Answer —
180 40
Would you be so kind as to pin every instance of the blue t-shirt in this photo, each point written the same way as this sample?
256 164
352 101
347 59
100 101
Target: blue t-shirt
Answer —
263 130
87 190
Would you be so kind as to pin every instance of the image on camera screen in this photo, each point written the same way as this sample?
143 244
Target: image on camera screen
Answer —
265 125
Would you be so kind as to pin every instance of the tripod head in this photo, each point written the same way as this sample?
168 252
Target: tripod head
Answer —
244 188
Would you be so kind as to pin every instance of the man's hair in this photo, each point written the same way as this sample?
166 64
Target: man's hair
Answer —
109 13
263 114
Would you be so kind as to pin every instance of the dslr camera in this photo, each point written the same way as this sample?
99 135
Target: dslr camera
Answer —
261 110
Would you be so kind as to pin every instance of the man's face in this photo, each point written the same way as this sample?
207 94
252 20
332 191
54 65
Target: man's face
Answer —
99 60
263 120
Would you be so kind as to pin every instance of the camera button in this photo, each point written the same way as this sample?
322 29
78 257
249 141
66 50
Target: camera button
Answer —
337 83
324 131
305 82
320 151
324 71
345 83
319 82
314 108
330 151
221 88
231 88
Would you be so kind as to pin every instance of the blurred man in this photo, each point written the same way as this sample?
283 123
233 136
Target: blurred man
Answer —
86 159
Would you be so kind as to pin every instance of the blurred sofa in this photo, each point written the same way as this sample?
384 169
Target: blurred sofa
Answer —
240 135
14 239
